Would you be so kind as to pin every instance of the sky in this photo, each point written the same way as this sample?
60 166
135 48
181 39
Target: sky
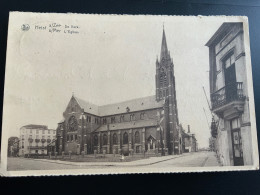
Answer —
111 59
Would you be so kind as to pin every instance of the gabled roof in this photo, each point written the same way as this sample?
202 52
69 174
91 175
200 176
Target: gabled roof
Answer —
127 125
87 106
133 105
138 104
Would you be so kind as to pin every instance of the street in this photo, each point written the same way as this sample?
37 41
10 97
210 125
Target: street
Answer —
198 159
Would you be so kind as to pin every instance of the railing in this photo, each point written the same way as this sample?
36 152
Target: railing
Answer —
37 147
229 93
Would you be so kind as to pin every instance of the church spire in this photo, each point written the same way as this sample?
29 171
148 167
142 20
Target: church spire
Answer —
164 49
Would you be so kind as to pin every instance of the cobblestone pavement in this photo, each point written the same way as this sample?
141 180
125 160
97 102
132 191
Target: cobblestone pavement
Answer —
197 159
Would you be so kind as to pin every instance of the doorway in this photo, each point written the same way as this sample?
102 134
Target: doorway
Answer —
236 142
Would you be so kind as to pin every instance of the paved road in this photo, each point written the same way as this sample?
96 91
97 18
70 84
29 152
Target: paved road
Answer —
30 164
198 159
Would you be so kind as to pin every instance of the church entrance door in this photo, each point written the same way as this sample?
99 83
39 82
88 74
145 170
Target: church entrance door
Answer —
151 143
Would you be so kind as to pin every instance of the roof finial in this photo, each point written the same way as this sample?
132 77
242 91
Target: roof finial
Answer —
72 94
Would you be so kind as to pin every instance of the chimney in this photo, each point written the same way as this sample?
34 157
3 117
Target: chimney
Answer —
188 128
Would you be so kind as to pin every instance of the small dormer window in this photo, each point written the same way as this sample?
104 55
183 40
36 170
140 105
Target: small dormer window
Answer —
142 115
132 117
122 117
113 119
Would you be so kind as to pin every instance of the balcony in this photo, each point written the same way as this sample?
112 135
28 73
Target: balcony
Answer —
228 97
37 147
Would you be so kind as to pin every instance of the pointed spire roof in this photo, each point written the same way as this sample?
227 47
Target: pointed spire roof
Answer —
164 49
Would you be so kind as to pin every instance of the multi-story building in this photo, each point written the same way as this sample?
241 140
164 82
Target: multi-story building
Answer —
189 141
229 95
34 139
144 124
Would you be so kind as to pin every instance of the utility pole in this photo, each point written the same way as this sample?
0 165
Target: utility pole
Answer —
206 117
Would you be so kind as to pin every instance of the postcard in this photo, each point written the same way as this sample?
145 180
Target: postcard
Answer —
116 94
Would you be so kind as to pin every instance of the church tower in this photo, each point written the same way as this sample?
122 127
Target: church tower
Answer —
165 90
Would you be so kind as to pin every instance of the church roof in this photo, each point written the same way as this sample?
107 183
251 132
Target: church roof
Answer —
133 105
138 104
87 106
127 125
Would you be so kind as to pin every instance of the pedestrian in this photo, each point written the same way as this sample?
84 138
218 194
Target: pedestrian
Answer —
122 157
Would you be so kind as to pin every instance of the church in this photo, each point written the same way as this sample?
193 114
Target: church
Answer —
148 124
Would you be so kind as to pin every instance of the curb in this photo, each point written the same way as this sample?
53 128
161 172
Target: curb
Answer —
119 163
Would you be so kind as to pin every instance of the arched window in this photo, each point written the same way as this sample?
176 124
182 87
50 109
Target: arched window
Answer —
125 138
72 124
105 139
163 78
95 140
114 139
137 137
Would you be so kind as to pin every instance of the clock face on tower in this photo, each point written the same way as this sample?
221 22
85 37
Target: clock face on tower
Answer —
72 124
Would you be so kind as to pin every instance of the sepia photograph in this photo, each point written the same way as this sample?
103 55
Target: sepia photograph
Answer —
110 94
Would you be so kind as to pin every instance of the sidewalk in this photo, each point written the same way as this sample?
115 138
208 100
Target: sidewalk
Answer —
211 161
142 162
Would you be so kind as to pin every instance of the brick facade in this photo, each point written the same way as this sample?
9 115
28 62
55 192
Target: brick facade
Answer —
145 124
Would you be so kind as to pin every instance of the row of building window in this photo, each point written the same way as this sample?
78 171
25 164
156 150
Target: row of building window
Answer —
37 137
105 138
72 138
37 144
115 138
30 144
113 119
88 120
43 131
122 118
